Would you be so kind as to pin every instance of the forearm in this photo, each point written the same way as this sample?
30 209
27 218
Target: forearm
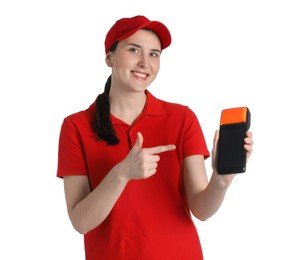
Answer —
95 207
207 202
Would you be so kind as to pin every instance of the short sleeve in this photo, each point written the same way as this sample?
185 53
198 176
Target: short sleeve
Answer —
71 157
193 140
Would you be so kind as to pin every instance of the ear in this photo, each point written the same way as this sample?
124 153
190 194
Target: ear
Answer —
108 59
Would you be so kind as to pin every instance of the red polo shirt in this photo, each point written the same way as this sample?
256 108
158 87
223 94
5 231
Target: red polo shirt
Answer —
150 219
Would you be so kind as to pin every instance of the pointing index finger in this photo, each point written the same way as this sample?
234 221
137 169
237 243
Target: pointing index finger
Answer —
161 148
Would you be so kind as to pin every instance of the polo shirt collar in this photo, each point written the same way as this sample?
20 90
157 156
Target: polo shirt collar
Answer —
153 107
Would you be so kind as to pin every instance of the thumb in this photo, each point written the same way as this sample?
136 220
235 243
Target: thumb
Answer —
216 137
214 149
215 141
139 141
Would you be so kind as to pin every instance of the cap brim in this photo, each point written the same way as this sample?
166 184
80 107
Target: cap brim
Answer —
159 28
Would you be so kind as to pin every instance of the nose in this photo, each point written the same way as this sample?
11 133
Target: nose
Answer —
143 60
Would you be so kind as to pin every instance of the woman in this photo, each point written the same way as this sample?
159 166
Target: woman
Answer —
133 165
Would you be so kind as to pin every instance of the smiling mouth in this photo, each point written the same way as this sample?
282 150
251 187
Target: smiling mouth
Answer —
140 75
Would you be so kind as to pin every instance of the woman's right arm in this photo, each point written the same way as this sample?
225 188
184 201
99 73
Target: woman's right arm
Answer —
86 208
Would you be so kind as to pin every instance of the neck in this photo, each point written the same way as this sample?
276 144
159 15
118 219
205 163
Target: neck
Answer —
127 106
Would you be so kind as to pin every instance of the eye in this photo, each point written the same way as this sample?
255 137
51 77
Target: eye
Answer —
135 50
155 54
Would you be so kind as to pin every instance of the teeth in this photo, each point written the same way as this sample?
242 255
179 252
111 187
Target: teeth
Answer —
140 74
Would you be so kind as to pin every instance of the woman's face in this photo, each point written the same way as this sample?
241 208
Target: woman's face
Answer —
136 61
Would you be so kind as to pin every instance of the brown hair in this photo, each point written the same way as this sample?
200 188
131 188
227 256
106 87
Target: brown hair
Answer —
102 124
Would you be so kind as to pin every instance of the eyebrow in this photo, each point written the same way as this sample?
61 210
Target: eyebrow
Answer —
139 46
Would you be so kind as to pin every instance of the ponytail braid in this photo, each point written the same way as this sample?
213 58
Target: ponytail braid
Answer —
102 124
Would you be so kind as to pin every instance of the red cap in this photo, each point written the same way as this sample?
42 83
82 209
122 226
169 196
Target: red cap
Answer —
125 27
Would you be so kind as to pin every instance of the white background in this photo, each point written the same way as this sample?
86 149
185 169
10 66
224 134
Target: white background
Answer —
224 54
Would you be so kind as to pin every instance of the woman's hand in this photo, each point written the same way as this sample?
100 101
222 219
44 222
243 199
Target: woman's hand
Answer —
227 178
248 145
141 162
